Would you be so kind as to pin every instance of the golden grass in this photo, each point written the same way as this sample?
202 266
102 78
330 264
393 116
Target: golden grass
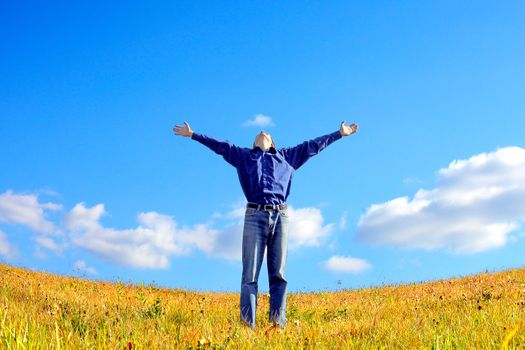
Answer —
44 311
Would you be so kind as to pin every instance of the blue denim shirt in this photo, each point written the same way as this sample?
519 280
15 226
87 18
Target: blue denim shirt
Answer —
266 177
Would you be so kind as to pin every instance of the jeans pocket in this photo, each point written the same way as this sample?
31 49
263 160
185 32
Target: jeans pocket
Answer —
250 212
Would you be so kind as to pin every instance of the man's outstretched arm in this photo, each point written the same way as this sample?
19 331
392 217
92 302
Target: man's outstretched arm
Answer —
228 151
298 155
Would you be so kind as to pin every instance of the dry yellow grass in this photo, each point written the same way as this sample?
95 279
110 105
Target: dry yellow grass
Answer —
45 311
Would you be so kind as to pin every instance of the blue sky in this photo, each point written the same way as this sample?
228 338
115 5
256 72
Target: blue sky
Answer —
94 183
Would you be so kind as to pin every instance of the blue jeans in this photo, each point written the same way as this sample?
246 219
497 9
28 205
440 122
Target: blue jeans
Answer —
264 229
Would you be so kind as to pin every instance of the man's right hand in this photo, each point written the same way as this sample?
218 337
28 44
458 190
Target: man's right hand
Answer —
183 130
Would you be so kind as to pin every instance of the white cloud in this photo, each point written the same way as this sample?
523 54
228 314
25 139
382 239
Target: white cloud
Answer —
343 221
476 205
412 180
409 263
228 242
259 120
7 250
49 243
155 240
47 192
82 218
347 264
158 238
307 228
149 245
236 212
26 210
81 266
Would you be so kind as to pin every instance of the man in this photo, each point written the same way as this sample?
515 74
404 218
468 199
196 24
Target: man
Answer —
265 174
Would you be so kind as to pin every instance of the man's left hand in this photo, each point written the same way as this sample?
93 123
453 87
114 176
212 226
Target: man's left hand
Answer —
346 130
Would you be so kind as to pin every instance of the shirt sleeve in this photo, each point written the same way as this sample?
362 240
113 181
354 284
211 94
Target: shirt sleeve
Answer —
298 155
231 153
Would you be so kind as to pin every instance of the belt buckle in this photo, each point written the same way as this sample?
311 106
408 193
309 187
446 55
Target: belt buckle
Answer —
268 206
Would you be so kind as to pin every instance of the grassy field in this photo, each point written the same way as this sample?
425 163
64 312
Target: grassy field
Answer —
45 311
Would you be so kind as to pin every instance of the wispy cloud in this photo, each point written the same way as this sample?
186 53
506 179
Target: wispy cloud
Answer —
27 210
81 266
51 244
476 205
259 120
347 264
412 180
7 250
24 209
343 221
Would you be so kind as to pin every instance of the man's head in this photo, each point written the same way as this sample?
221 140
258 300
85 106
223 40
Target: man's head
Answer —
264 141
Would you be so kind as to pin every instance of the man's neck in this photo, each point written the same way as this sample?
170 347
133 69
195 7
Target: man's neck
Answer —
271 149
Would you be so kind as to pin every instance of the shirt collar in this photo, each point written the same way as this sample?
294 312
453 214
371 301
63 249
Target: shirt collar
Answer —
271 150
